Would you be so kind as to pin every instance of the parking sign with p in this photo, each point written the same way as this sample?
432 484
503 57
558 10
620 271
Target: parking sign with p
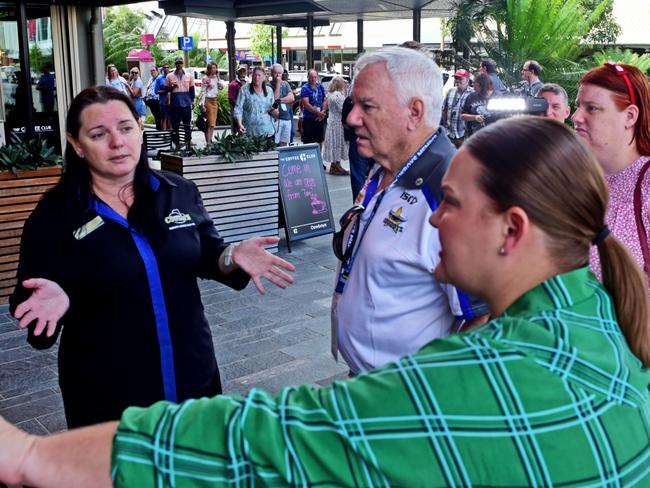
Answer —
185 43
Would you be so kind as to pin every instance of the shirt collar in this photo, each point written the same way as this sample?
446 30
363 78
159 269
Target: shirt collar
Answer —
560 291
437 154
156 177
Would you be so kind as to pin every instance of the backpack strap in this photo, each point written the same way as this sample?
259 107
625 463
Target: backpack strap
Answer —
638 214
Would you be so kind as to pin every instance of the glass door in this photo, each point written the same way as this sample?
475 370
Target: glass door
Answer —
12 92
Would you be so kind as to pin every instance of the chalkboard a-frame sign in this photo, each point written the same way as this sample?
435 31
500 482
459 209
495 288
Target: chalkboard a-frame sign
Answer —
304 197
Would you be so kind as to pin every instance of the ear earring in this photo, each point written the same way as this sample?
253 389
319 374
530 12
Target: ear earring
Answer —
502 251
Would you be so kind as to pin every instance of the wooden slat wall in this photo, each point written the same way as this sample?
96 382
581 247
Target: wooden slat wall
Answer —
18 197
241 197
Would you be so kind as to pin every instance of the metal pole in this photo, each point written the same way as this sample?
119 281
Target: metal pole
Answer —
272 46
359 36
186 58
207 38
278 37
417 16
23 56
310 41
230 44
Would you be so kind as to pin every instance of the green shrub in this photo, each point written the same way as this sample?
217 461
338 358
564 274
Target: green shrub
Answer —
232 147
27 155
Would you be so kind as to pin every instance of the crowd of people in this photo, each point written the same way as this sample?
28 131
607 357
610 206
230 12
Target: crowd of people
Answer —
491 298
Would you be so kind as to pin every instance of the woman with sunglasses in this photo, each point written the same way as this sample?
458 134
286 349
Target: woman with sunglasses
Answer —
551 392
136 88
613 117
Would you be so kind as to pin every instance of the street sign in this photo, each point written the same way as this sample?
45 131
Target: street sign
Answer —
185 43
208 58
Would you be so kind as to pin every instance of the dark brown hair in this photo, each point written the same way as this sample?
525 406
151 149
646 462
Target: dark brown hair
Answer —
485 82
76 180
540 165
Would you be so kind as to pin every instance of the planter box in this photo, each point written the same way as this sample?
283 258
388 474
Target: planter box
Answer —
242 197
18 197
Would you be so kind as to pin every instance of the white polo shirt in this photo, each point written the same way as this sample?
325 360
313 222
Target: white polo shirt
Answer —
391 304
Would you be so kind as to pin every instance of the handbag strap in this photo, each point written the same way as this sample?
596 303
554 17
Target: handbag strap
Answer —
638 215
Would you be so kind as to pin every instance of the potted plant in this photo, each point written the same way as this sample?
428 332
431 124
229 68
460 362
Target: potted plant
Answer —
27 170
237 176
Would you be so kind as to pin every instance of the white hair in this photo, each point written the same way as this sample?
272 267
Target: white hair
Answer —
277 65
413 74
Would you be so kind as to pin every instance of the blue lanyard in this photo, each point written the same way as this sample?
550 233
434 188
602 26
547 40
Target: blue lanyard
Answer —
346 267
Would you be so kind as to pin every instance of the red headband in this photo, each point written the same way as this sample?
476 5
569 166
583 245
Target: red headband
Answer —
620 71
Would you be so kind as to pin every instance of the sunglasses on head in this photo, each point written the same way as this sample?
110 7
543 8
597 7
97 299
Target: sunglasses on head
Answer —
341 246
621 71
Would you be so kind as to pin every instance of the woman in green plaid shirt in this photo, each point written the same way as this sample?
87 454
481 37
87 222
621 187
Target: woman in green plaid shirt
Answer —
552 392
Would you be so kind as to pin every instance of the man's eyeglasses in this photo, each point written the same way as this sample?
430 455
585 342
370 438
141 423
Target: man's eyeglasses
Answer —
135 73
166 67
341 245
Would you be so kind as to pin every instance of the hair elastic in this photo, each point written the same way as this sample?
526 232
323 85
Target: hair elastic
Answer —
600 237
620 71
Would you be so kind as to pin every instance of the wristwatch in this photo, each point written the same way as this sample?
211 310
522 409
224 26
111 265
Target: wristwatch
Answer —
227 255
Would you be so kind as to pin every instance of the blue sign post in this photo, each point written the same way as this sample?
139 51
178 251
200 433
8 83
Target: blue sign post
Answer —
185 43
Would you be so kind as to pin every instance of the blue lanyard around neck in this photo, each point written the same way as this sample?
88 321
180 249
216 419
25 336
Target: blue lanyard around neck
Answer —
371 190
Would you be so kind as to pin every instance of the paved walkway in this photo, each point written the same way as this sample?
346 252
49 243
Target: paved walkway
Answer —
269 341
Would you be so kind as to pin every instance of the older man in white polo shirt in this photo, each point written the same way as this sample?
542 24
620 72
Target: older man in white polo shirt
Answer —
387 303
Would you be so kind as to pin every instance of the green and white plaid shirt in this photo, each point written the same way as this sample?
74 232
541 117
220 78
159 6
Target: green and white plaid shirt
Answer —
549 394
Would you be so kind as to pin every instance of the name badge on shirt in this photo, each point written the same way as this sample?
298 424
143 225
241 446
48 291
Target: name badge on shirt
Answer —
88 227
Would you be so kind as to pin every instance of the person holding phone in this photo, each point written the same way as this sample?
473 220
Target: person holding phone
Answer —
284 98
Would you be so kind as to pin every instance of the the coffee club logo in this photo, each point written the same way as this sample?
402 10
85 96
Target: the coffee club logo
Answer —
177 217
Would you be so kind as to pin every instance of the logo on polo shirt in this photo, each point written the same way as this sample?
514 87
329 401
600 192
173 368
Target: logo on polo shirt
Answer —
395 220
177 220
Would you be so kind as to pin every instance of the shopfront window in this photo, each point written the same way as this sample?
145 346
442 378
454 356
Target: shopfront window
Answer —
16 111
43 77
12 93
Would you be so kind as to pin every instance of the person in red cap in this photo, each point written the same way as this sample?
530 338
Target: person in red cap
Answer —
452 107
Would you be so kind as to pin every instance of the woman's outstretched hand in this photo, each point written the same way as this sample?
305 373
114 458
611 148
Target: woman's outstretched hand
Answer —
251 257
47 304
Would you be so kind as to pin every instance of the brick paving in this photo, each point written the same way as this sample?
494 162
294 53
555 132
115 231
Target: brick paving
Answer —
270 341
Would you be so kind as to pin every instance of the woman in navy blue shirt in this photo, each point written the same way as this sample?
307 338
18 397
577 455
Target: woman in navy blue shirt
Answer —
111 255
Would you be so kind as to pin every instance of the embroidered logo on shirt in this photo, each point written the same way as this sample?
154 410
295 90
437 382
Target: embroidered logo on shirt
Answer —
395 220
412 199
88 227
180 219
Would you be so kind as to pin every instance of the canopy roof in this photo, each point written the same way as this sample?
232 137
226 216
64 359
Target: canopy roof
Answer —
140 55
293 13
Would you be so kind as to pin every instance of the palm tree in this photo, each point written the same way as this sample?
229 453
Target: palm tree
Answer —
552 32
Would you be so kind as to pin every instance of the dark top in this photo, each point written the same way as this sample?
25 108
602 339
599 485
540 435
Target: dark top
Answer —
476 104
285 110
113 346
348 132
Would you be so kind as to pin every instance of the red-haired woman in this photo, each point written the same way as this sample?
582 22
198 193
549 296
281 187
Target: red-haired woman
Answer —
613 117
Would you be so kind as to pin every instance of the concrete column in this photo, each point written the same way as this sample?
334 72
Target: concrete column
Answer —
230 44
278 37
310 41
186 58
359 36
417 17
